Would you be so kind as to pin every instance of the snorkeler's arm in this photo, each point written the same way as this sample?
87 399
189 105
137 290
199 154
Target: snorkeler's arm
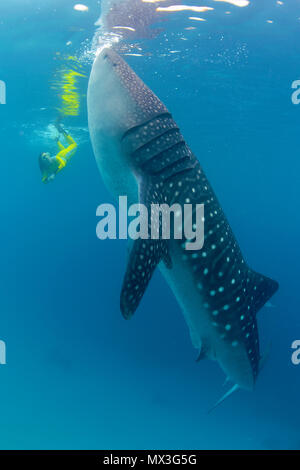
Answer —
71 141
60 145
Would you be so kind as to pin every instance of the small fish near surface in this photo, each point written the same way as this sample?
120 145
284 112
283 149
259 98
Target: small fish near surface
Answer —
141 153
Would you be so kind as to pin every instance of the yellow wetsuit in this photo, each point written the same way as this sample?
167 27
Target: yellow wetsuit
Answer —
65 152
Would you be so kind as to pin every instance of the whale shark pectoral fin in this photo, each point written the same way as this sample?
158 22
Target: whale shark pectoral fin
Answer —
144 257
146 253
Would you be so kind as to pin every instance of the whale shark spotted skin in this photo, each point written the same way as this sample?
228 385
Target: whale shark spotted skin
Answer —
141 153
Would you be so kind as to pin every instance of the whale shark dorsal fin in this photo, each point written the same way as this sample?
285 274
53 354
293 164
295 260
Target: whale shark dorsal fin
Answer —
226 395
260 289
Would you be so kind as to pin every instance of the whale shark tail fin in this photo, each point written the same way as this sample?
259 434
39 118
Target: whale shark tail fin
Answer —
235 387
226 395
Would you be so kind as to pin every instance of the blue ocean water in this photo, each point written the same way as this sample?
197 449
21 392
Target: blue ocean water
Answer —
78 376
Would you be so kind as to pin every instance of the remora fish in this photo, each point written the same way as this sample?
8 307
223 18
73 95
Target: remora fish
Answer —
141 153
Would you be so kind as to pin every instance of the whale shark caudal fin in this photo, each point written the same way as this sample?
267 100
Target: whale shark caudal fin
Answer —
226 395
235 387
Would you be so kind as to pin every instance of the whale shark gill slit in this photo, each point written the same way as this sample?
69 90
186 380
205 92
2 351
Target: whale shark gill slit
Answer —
159 156
165 136
139 126
174 168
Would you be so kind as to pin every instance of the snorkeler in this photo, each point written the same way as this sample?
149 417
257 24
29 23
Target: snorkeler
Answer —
50 166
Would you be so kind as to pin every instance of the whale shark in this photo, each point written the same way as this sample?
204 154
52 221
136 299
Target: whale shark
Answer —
141 153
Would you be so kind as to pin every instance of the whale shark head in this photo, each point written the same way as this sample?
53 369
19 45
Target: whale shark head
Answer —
121 96
118 101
